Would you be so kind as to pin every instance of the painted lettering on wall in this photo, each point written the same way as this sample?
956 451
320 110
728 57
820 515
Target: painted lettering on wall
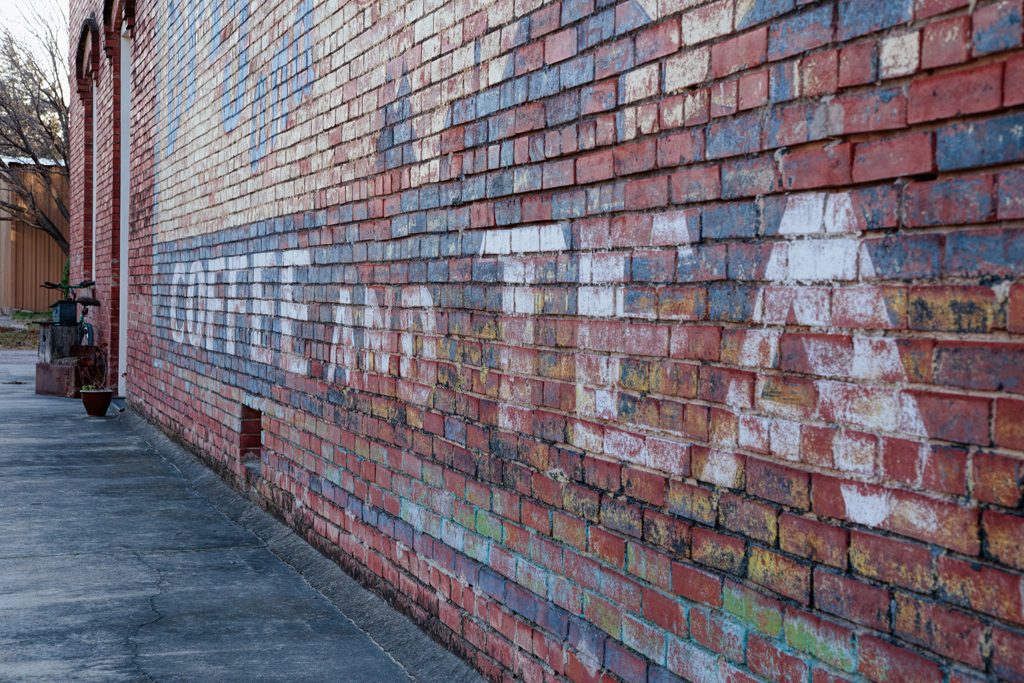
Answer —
271 94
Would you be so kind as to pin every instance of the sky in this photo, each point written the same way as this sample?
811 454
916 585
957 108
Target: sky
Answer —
17 15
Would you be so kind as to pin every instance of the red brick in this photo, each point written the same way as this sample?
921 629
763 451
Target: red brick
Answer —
682 148
769 661
850 599
657 42
718 634
646 486
929 8
718 551
1006 660
821 74
857 64
1013 84
594 167
868 112
982 589
648 193
697 585
910 154
821 167
964 419
779 484
946 42
1009 424
817 541
941 630
665 612
1003 534
739 53
753 90
780 574
956 94
635 158
886 663
608 547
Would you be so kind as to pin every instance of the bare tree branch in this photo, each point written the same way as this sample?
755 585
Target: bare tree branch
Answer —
34 120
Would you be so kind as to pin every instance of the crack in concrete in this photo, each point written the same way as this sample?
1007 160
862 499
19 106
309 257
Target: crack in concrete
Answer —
131 639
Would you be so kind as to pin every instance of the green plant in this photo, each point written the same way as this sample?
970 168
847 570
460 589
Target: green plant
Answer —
65 277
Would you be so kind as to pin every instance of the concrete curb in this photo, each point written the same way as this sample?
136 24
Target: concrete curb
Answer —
423 659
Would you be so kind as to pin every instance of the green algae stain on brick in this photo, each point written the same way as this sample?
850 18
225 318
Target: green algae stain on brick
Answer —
488 525
764 614
831 644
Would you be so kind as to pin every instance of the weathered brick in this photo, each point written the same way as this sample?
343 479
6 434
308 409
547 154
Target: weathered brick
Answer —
947 632
884 662
822 639
780 574
850 599
982 589
774 664
956 94
892 561
817 541
910 154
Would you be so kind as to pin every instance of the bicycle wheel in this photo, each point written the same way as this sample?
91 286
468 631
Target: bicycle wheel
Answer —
85 336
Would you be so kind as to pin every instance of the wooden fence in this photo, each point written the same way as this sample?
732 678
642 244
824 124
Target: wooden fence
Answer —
28 257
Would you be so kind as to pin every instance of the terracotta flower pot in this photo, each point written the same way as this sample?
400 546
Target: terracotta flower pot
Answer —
97 401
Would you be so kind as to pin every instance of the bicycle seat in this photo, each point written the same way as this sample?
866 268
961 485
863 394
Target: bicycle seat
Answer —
88 301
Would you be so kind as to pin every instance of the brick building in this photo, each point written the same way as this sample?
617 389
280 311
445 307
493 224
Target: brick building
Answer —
641 341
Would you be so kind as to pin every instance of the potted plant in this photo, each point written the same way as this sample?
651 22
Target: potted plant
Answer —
93 371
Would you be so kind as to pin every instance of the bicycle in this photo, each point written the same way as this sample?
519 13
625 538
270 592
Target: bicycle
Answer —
86 335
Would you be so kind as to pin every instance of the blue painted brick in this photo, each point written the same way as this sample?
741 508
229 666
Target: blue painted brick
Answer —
749 177
998 140
748 261
731 303
949 201
586 638
577 72
859 17
630 15
799 33
752 13
598 29
997 28
492 583
905 257
741 135
701 264
574 10
1011 195
985 253
726 221
626 665
785 82
654 266
521 601
552 618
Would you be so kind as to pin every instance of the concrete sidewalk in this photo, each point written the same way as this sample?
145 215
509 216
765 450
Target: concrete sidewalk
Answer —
124 559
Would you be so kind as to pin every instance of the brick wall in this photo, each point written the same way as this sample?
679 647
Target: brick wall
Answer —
668 339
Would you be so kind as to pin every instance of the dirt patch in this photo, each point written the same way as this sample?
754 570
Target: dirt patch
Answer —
15 339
